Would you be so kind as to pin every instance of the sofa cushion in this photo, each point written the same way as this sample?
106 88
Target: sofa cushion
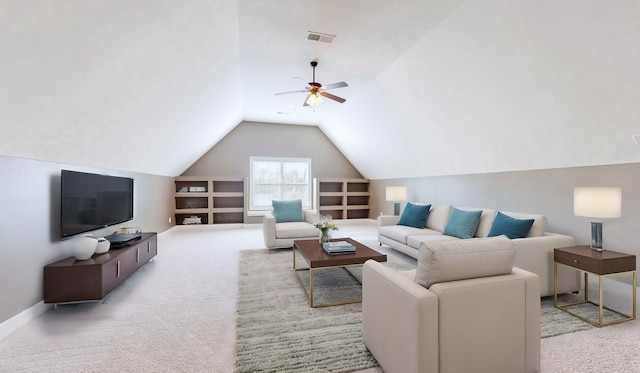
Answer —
416 241
401 232
486 220
464 259
296 230
462 224
510 227
285 211
438 216
539 222
414 215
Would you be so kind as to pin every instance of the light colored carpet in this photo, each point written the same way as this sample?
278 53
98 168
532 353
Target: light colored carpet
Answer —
277 331
186 303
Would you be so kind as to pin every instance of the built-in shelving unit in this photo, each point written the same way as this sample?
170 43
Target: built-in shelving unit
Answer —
342 198
214 200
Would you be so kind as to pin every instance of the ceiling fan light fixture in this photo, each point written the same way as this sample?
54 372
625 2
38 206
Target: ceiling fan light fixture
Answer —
313 99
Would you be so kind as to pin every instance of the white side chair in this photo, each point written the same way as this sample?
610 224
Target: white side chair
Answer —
471 312
280 235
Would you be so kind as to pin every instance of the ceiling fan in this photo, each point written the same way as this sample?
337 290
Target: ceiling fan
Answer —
315 90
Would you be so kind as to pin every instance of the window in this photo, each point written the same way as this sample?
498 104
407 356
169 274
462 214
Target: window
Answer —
279 179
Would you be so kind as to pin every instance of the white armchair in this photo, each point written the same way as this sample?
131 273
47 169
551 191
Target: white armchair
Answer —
279 235
476 323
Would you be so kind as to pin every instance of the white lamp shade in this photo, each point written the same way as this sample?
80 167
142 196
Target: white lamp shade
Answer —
396 193
605 202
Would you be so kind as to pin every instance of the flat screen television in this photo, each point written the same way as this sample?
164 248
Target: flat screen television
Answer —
91 201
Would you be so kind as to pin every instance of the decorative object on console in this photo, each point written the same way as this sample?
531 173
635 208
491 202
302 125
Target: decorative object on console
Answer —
130 230
597 202
396 194
83 247
103 245
324 227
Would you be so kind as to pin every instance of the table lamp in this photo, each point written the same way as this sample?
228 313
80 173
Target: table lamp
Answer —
602 203
396 194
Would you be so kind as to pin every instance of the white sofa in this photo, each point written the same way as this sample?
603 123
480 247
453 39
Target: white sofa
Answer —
448 318
535 252
280 235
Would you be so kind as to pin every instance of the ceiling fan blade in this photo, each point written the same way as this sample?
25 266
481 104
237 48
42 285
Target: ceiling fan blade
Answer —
286 93
333 97
304 81
335 85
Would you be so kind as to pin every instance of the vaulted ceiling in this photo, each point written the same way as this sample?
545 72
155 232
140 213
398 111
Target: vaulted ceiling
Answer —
435 87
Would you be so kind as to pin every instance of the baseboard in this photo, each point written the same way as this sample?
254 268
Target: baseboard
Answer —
11 325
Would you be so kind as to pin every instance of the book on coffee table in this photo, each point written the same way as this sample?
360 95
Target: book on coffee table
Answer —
338 247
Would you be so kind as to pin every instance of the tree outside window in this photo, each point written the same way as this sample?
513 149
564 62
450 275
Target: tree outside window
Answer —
279 179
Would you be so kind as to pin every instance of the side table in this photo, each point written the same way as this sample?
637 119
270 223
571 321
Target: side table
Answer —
599 263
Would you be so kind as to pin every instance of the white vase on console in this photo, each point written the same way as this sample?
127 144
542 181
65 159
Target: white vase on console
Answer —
83 247
103 245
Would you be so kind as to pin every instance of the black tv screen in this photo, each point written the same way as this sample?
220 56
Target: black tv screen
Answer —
91 201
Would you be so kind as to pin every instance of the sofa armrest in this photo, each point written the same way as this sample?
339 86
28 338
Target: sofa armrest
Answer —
311 216
535 254
269 229
532 319
388 220
396 311
476 308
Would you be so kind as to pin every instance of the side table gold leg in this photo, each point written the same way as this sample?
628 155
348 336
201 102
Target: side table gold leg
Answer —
555 284
634 295
586 287
311 287
600 297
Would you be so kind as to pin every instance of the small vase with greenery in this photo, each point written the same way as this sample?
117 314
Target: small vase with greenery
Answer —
324 227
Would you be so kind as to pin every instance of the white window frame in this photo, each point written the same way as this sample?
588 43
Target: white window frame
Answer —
307 200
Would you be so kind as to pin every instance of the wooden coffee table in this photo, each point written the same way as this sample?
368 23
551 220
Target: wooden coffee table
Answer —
318 260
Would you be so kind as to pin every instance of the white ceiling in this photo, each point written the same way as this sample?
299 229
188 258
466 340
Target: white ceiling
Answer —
435 87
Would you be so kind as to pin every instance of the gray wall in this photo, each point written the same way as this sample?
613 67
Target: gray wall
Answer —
30 193
230 157
548 192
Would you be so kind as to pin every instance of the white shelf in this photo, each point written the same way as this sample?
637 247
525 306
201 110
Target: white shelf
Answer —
351 194
221 191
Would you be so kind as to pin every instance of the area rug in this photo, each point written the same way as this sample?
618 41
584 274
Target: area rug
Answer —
277 331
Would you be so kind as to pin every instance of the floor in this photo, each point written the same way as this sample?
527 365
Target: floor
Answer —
194 277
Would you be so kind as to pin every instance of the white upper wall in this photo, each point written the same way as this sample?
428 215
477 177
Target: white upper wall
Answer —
435 87
144 86
503 85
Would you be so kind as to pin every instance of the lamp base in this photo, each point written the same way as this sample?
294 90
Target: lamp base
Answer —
396 208
596 236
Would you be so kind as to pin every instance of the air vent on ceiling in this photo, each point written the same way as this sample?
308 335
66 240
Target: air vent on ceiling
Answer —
636 139
318 36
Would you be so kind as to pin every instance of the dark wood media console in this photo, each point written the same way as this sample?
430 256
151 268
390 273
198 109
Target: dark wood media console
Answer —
71 280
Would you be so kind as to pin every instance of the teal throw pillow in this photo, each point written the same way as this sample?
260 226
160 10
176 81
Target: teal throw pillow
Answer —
414 215
287 211
462 224
510 227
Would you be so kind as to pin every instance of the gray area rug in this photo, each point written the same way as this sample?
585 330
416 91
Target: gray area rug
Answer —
277 331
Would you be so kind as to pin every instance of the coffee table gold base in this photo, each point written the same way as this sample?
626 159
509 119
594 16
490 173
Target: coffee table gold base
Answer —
309 293
600 305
